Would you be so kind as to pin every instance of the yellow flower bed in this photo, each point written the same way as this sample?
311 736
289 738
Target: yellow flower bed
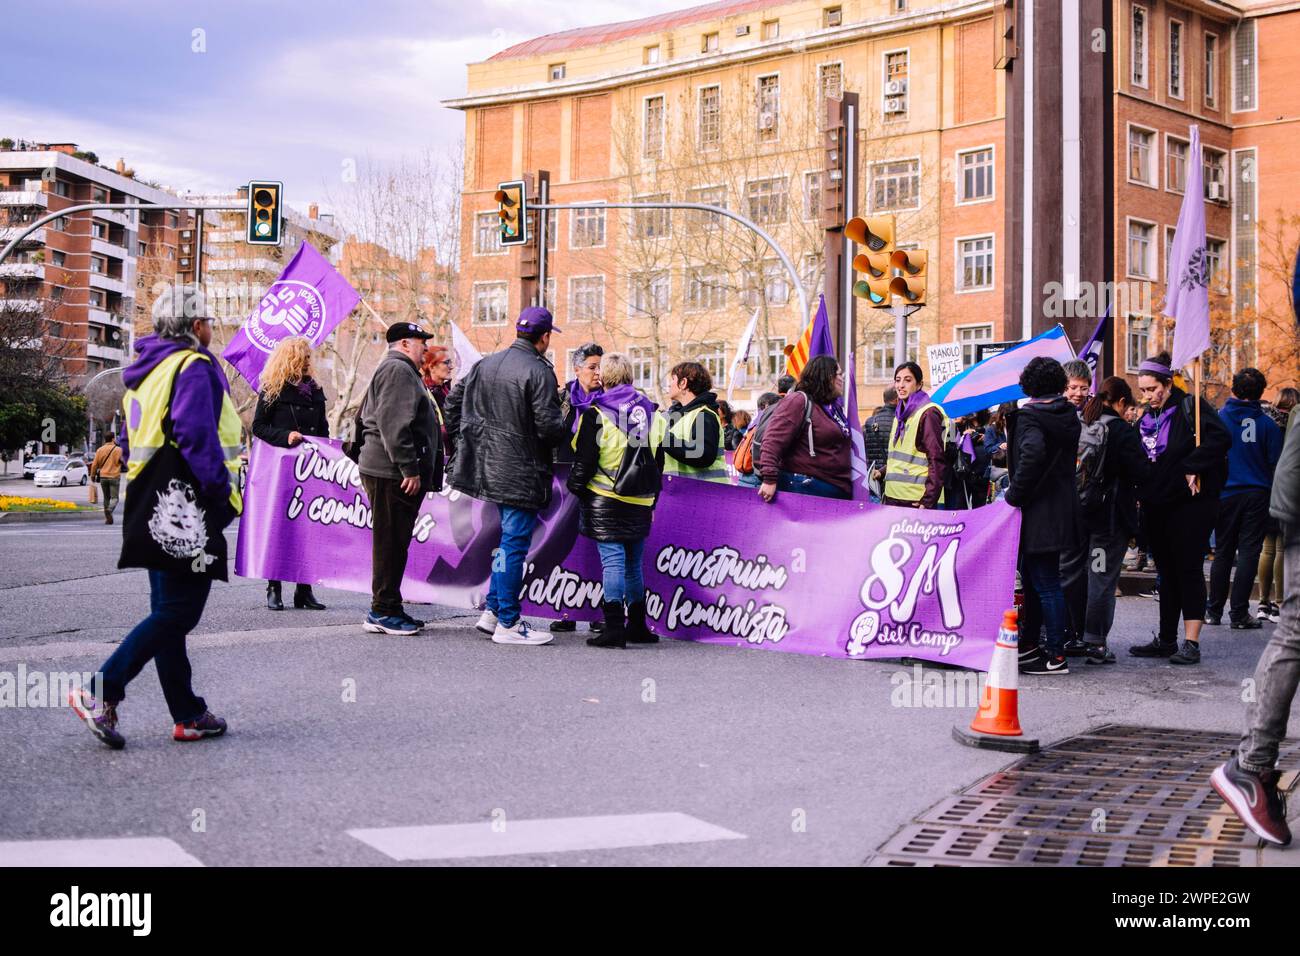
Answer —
18 502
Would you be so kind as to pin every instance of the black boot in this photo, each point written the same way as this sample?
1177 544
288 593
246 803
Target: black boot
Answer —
303 598
273 599
563 627
637 632
613 635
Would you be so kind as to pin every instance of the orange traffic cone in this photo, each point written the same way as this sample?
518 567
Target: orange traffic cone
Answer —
997 722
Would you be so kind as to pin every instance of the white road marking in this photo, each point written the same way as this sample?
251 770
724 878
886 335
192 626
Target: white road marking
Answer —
559 835
125 851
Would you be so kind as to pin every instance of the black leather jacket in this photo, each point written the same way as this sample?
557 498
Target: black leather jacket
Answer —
505 415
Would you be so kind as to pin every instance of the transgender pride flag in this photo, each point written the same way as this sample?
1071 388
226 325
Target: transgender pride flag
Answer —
997 379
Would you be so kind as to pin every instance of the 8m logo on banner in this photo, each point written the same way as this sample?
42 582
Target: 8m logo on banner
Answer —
289 308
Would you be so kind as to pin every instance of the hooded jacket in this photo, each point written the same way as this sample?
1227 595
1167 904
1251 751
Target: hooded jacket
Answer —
196 409
505 414
700 449
1255 448
1042 440
601 517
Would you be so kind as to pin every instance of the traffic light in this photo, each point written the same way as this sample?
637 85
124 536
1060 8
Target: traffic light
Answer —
832 181
512 206
910 282
874 232
265 213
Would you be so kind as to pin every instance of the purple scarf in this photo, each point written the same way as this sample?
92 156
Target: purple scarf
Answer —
1155 430
918 399
631 410
579 399
835 411
306 386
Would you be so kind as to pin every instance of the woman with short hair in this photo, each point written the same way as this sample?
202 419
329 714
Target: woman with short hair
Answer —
290 408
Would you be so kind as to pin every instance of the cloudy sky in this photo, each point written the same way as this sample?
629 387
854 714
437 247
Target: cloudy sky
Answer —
269 89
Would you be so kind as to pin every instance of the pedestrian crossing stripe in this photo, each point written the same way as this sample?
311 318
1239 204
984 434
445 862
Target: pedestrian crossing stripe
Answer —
119 852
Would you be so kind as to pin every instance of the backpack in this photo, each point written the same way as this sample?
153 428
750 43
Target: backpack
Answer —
352 449
754 437
1090 466
743 458
640 474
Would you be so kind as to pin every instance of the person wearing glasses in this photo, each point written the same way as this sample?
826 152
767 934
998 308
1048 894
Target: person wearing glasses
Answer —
437 373
806 448
576 396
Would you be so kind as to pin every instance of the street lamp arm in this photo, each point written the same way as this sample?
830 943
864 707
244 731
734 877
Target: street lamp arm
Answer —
50 217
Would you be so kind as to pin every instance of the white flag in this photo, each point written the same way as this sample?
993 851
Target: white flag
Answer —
1187 298
742 355
466 354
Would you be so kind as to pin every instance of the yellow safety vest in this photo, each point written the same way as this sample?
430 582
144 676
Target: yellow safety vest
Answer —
145 407
682 430
907 469
612 442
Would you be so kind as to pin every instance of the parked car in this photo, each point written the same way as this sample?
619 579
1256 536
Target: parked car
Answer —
34 464
63 471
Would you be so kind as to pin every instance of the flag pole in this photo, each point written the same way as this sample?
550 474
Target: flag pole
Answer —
1196 378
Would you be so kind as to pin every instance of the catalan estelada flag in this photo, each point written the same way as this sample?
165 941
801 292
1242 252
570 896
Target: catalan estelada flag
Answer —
815 341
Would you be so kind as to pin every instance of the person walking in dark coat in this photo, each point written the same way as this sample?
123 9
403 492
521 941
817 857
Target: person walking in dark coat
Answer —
1243 504
616 474
876 429
506 416
1043 438
1180 502
290 407
1110 511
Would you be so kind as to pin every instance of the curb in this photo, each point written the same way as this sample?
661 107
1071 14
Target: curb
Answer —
26 517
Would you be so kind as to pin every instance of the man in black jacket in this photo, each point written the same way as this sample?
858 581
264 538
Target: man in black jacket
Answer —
875 431
400 461
506 415
1042 443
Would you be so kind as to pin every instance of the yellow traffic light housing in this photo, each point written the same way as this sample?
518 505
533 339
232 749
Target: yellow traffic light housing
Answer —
512 202
874 290
874 232
911 281
875 264
265 213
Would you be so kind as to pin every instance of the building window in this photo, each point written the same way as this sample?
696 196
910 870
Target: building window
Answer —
653 132
767 200
1138 47
975 175
548 301
771 29
900 6
975 263
586 228
812 194
774 358
643 367
1140 253
894 105
649 293
96 299
880 355
1140 168
832 17
830 81
57 258
98 265
1210 73
706 291
651 55
713 356
99 230
651 223
552 229
1215 172
487 234
1169 245
896 185
557 71
1243 67
970 337
811 273
707 196
776 284
1176 59
769 108
1214 252
587 298
709 43
1139 341
1175 164
61 188
491 302
710 118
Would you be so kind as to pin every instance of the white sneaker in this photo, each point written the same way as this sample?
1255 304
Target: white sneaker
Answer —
487 622
521 633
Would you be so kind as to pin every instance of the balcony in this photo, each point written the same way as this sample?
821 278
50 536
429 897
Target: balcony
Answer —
112 215
245 265
9 233
21 305
22 270
105 317
101 280
27 198
109 353
106 248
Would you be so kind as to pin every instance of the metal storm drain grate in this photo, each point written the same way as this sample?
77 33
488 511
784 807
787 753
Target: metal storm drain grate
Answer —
1116 796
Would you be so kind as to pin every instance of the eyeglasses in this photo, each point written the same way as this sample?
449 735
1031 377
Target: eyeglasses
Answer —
447 362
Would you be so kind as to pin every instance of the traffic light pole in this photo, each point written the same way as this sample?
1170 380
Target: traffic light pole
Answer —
848 305
701 207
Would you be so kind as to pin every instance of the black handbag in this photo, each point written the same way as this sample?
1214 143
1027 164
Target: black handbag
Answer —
167 526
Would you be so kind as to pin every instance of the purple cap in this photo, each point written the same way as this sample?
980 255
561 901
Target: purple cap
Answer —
535 319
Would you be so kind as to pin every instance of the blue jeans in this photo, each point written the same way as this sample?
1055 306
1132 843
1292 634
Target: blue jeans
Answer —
1042 576
807 485
176 602
508 563
620 561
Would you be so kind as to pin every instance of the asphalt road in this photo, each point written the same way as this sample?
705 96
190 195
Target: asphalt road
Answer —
799 760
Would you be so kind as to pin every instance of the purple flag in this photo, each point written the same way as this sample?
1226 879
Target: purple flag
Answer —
309 299
1187 299
718 562
821 343
1091 351
861 467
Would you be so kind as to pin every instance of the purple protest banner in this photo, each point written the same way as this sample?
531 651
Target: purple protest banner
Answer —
805 575
309 299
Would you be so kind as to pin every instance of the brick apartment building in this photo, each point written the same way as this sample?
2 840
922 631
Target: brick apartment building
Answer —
90 272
